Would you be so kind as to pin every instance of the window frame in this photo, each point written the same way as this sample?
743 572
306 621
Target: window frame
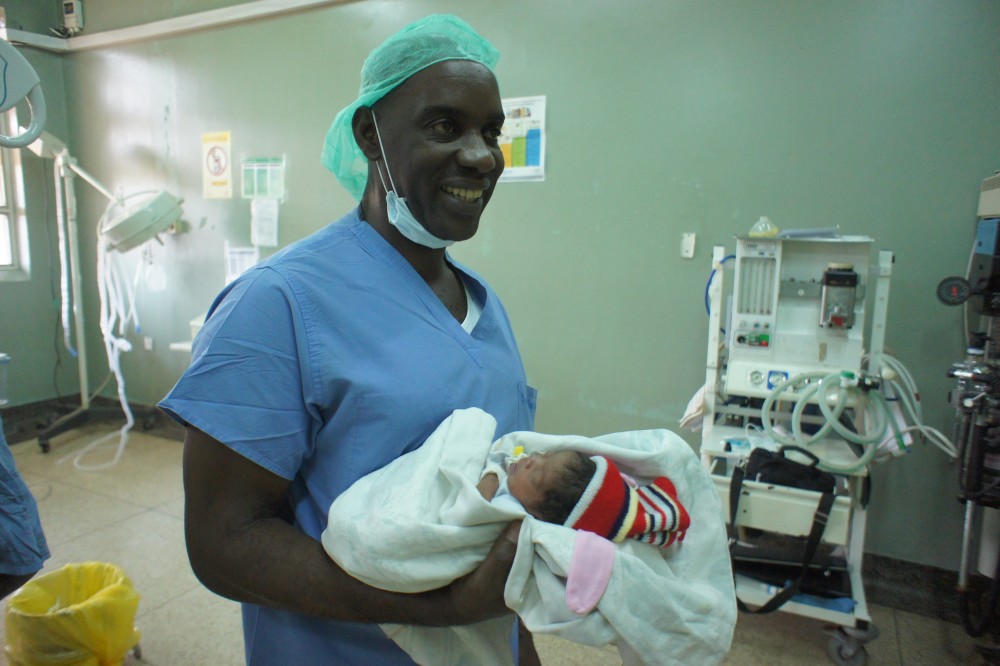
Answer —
14 207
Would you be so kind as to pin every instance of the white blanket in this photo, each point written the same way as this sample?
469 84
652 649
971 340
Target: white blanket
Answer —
419 523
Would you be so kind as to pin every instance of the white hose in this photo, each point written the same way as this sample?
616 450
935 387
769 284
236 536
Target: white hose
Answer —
818 385
112 311
906 390
880 430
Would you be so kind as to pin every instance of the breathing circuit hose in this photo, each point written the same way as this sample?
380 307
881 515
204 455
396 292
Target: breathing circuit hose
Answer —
824 387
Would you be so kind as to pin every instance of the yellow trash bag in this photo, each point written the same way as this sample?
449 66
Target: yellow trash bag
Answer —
79 615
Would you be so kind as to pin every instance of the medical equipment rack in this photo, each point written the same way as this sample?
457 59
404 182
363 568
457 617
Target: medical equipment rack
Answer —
784 510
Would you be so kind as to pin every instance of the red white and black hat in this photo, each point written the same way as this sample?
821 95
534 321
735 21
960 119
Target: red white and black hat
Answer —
612 508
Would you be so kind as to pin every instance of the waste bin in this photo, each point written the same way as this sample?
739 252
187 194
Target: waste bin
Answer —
79 615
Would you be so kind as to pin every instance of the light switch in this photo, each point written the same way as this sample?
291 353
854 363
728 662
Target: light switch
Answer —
687 245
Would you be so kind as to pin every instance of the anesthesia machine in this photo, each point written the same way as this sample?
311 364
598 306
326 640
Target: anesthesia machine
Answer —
795 359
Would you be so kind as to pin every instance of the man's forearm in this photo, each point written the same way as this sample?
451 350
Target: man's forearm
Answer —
241 548
273 564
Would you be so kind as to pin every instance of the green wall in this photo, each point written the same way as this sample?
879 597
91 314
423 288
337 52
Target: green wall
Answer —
29 312
664 116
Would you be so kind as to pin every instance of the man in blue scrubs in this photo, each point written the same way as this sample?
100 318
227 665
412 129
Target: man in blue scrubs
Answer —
344 351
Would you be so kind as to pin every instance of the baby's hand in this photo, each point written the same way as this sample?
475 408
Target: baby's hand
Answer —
488 485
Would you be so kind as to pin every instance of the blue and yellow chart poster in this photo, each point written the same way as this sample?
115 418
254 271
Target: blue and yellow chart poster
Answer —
522 139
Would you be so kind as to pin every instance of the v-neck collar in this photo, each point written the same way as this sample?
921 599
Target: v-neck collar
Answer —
380 248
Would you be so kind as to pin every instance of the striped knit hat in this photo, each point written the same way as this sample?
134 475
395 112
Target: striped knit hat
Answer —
612 508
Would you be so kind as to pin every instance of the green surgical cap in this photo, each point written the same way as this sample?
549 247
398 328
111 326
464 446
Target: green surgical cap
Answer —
417 46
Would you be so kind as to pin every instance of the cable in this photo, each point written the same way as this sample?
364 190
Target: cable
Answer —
711 276
965 306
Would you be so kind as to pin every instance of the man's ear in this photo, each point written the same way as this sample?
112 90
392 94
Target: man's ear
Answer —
364 133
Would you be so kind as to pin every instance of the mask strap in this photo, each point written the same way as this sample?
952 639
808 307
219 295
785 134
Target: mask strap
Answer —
382 148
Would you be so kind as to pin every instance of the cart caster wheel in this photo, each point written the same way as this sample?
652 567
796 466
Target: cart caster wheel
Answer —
45 446
845 650
137 652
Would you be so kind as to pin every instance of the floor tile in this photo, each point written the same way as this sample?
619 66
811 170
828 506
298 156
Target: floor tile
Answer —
555 651
196 627
174 507
924 641
147 473
68 511
884 648
777 639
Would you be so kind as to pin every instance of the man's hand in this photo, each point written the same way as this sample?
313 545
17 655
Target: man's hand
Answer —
479 595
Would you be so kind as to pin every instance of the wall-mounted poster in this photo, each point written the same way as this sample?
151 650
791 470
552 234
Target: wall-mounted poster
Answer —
215 166
522 139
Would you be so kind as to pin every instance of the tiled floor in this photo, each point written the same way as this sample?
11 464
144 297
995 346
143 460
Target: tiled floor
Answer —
131 515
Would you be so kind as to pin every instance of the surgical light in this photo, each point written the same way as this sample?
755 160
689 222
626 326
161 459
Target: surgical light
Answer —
130 225
19 81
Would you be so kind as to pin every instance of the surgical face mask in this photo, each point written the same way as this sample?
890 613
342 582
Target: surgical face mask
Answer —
398 210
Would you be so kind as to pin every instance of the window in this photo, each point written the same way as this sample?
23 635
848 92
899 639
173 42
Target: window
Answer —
13 225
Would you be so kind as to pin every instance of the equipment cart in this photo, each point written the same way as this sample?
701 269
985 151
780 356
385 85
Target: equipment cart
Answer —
786 318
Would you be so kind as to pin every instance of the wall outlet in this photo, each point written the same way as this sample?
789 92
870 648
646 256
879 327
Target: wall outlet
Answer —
147 343
687 245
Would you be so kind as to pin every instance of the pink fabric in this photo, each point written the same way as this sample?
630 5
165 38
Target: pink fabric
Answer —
589 572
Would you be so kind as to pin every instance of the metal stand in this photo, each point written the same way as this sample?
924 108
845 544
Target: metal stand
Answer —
78 417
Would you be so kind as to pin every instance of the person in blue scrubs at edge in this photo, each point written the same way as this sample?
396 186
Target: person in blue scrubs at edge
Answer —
23 549
344 351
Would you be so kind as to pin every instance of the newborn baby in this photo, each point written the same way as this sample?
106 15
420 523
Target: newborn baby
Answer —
567 487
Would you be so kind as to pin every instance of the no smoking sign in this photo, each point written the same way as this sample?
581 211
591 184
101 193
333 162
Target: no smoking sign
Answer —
216 173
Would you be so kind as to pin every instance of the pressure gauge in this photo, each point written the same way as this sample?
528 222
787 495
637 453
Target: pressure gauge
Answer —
954 290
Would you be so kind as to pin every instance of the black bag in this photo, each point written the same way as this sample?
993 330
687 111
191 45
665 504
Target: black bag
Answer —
775 468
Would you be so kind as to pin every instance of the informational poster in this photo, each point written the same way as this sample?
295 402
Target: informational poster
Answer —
239 259
217 181
263 178
264 222
522 139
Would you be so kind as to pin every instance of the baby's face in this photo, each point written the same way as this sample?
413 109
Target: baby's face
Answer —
529 477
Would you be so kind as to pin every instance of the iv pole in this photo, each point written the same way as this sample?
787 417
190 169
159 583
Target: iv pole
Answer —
65 169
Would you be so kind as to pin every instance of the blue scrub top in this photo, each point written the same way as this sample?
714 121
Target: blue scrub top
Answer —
326 362
23 549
